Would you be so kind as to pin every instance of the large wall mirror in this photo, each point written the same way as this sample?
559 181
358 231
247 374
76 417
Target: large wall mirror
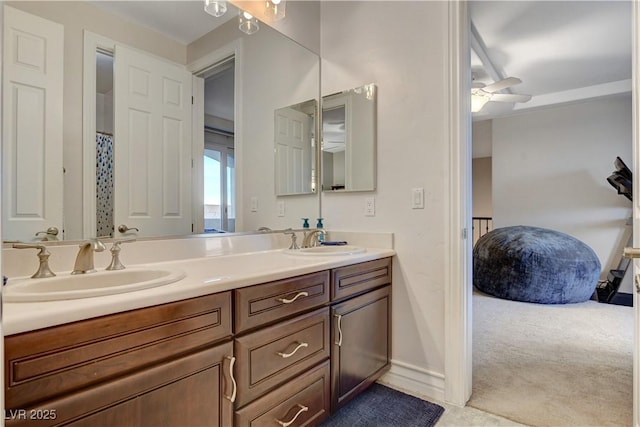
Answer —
349 140
135 119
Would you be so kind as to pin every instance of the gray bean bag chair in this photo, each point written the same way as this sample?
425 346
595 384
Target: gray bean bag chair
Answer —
535 264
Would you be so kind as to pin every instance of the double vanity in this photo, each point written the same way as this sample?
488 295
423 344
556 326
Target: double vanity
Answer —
236 338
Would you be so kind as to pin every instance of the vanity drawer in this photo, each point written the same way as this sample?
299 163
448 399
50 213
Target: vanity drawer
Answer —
48 362
358 278
269 357
307 397
263 304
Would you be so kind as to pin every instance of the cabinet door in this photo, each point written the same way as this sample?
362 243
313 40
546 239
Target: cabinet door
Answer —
126 414
189 391
361 336
197 400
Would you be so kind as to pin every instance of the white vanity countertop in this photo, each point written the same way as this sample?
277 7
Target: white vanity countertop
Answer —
204 276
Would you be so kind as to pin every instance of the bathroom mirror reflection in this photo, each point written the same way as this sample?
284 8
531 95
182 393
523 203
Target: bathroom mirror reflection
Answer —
165 161
349 140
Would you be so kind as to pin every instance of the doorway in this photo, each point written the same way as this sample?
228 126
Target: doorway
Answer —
584 151
218 167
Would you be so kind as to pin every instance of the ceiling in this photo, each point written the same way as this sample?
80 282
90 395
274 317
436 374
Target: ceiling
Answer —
563 51
182 20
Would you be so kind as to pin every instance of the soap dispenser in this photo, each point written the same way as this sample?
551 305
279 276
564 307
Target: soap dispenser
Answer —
305 225
320 226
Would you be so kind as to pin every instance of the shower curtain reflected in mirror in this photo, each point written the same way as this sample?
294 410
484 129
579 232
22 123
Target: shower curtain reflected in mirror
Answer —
104 184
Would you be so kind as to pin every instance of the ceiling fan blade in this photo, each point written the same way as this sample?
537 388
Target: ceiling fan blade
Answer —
508 97
502 84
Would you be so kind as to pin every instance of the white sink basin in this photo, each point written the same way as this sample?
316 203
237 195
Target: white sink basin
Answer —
328 250
69 286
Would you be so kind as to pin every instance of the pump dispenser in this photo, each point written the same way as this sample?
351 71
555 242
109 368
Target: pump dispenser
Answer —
320 226
305 222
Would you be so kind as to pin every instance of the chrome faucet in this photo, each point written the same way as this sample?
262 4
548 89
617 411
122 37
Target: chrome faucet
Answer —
84 259
311 238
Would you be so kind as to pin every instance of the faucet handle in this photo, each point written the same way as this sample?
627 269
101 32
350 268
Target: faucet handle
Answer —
116 264
294 239
43 256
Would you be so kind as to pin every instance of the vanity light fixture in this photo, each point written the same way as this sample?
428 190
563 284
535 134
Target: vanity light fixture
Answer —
248 23
216 8
276 9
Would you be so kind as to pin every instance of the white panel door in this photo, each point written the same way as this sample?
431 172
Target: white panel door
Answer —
152 144
293 152
32 84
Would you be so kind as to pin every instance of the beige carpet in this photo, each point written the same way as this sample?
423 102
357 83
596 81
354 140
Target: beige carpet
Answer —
553 365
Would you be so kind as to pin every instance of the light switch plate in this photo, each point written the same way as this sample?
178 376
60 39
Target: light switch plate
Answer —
254 204
280 207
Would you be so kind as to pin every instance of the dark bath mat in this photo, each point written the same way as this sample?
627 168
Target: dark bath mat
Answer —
381 406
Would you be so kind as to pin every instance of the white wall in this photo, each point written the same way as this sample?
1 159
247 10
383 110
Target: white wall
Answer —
482 187
550 169
401 47
482 139
275 73
104 112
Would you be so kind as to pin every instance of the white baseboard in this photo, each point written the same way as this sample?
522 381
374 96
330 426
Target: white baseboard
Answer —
414 380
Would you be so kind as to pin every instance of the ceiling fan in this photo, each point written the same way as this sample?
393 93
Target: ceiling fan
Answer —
481 93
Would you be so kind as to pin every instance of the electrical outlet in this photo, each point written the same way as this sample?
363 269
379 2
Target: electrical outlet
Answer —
417 198
254 204
280 207
370 206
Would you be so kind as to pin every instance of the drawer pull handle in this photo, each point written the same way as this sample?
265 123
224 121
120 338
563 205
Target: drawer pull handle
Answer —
339 342
289 301
232 362
286 355
288 423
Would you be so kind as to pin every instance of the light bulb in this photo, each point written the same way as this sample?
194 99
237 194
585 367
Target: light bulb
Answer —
215 7
248 24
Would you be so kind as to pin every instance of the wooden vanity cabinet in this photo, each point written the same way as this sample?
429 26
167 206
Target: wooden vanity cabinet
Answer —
361 329
153 366
299 349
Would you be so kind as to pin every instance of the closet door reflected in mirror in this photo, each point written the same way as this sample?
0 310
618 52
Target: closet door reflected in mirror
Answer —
349 140
295 147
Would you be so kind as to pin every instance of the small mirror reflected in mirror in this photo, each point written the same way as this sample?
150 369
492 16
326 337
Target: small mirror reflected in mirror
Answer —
349 140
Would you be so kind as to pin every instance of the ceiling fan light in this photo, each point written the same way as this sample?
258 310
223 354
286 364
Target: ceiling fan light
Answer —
216 8
477 102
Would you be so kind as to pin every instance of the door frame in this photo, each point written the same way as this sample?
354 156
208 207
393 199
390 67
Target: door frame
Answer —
458 295
635 66
233 49
92 43
458 291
